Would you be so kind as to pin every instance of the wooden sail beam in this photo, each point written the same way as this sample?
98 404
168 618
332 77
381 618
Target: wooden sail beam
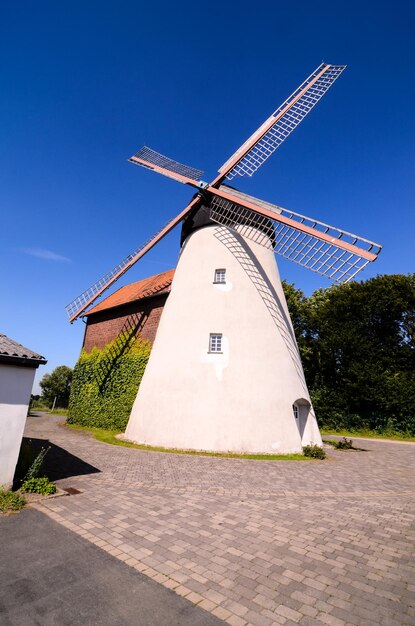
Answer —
83 301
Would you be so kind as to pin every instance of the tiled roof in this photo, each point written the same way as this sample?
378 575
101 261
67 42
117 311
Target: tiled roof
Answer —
154 285
10 349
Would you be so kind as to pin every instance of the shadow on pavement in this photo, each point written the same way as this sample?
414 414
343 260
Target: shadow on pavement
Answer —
58 462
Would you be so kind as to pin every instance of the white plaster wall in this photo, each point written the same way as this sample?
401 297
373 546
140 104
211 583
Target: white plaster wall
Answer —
240 400
15 388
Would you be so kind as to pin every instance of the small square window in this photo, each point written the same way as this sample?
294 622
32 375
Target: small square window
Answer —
215 342
220 276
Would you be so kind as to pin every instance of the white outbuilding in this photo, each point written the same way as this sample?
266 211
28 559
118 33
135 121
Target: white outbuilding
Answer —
17 371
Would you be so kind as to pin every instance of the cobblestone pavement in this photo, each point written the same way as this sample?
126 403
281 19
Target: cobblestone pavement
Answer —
254 542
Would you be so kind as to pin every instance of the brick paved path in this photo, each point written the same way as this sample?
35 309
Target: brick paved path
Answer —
254 542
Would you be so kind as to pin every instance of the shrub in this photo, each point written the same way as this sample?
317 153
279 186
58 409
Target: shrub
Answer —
34 469
314 451
344 444
30 461
26 457
39 485
105 383
31 482
10 501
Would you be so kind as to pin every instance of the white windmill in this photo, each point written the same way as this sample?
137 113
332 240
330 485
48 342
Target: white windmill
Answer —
225 372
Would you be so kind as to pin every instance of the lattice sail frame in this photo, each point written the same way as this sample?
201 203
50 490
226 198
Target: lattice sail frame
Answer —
75 308
90 295
304 248
150 159
282 122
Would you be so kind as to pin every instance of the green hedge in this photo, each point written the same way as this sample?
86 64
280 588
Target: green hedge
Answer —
105 383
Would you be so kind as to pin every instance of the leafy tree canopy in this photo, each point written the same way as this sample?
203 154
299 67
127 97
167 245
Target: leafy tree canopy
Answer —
357 343
57 385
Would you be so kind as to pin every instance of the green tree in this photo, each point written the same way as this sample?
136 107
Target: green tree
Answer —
57 385
298 306
357 342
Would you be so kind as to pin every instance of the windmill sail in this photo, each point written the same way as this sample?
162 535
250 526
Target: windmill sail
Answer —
152 160
327 250
264 141
75 308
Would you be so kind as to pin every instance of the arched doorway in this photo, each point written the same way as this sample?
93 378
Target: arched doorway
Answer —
301 410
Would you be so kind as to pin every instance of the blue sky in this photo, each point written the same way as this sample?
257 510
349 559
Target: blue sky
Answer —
85 84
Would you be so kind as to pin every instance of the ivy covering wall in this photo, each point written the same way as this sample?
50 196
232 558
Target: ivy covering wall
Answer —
105 383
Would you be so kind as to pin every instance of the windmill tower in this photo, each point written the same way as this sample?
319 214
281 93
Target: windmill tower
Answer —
225 372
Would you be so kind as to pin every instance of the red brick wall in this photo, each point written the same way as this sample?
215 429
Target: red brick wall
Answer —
104 326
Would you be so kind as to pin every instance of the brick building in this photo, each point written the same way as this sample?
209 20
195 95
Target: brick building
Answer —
136 307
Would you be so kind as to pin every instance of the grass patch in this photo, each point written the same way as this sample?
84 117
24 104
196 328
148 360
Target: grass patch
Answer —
10 501
367 434
109 436
341 444
39 409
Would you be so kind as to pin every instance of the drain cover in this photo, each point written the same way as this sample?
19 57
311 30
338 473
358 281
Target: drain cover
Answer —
72 491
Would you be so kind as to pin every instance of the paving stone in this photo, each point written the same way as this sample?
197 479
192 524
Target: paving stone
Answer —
234 620
304 598
310 621
275 619
333 537
291 614
208 605
306 609
330 620
221 612
256 619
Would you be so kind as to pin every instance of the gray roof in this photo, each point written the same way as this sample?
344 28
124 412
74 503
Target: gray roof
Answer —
13 352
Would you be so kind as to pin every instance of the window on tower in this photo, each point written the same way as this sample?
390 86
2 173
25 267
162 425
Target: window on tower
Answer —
215 342
220 276
296 411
